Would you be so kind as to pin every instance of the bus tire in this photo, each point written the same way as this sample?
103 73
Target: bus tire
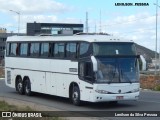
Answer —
76 96
19 86
27 87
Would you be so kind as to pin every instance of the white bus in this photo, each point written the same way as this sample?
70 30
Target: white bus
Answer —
94 68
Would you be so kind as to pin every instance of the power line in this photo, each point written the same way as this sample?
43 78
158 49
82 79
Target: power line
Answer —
129 21
126 21
137 30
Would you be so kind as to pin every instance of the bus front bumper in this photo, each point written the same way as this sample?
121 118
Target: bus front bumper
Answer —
97 97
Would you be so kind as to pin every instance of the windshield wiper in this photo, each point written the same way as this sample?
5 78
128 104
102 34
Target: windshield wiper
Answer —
113 76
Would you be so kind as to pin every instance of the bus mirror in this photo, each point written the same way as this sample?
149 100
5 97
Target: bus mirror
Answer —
94 61
143 64
138 56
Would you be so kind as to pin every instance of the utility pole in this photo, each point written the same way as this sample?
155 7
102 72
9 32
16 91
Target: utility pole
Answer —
156 40
18 13
86 22
100 27
95 27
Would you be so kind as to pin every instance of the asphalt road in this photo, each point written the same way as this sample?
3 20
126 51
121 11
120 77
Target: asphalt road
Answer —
149 101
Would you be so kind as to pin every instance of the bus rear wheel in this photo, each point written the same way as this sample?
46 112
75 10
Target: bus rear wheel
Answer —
76 96
19 86
27 87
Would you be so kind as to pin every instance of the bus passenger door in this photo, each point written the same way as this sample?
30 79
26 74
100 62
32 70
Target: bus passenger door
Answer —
85 70
86 74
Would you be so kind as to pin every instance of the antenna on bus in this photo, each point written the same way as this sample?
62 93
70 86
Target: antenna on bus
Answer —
95 27
82 33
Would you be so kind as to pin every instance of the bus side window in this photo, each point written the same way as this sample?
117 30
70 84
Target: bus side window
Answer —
45 49
86 71
71 50
34 49
23 49
14 49
59 50
84 49
81 70
8 49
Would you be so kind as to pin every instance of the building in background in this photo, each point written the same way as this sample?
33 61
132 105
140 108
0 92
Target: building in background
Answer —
53 28
3 32
3 38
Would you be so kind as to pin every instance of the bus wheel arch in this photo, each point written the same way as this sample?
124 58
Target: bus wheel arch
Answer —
74 93
27 86
19 85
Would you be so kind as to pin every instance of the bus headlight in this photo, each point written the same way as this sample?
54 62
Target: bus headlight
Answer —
102 91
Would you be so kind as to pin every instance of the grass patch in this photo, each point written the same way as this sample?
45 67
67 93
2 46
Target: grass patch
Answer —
1 72
6 107
157 88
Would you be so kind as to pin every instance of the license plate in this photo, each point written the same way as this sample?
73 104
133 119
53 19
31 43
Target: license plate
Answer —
119 97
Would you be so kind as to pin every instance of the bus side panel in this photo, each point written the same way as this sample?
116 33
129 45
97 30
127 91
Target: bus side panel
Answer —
38 81
51 86
62 83
86 90
9 78
11 75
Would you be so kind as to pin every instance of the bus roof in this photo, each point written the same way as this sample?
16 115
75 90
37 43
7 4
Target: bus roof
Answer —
87 38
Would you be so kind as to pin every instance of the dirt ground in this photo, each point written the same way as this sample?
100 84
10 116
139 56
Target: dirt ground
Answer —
39 107
1 72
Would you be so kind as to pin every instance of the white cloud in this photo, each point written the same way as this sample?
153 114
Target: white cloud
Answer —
39 18
71 20
138 27
44 11
35 18
33 6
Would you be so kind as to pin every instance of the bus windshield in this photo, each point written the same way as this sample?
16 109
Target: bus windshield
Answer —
117 70
113 48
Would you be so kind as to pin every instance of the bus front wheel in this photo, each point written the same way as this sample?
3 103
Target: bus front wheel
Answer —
76 96
27 87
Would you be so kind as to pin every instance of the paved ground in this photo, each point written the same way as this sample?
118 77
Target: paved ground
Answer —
149 101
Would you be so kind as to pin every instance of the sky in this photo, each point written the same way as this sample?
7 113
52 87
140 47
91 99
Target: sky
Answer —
137 23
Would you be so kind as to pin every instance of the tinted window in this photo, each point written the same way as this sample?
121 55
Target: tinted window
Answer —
81 69
45 49
59 50
23 49
14 49
102 49
34 49
71 50
84 49
85 70
8 49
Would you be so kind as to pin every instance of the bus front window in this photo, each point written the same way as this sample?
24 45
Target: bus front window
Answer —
113 48
116 62
117 70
